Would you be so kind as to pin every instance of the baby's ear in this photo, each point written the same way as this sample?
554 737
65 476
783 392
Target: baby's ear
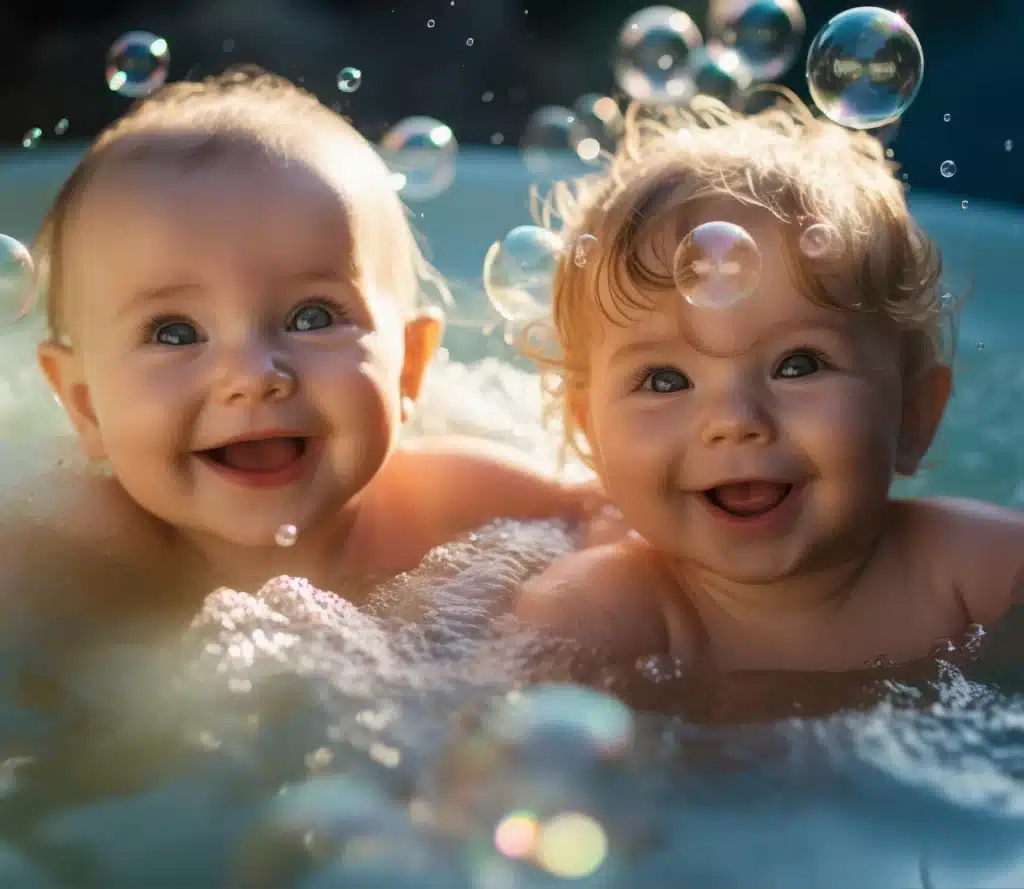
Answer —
924 402
422 338
63 371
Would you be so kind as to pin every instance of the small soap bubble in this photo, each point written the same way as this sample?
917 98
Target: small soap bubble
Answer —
286 535
430 23
487 96
765 33
61 127
653 52
718 71
820 241
945 117
1008 145
349 79
597 127
15 279
980 345
469 42
584 247
546 145
947 169
963 205
864 67
421 153
519 270
31 138
717 265
137 64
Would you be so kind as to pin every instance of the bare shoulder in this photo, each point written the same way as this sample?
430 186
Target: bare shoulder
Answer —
608 597
456 484
977 546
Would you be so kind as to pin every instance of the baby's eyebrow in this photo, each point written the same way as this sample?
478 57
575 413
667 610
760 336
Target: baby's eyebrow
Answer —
154 295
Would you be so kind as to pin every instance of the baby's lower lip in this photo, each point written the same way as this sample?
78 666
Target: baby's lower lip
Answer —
255 478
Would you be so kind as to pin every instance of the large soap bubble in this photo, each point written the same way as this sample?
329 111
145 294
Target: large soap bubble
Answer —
864 67
519 271
137 64
653 53
716 265
765 33
15 279
421 154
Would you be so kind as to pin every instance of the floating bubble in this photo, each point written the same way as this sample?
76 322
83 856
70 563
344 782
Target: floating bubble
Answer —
820 241
421 153
599 123
15 279
718 71
349 79
137 64
582 249
519 270
947 169
31 138
469 41
286 535
571 846
864 67
716 265
963 205
1008 145
766 34
61 128
430 23
945 117
546 145
653 52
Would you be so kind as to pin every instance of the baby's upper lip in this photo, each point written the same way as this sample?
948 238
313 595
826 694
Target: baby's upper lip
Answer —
256 435
765 478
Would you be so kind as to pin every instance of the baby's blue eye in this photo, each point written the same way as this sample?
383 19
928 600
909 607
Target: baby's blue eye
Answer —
666 381
799 364
175 333
311 317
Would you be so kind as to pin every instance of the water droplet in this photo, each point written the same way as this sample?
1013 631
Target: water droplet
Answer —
718 71
518 272
31 138
765 33
583 249
137 64
15 279
421 153
61 127
546 145
716 265
430 23
286 535
947 169
864 67
821 241
945 117
653 52
349 79
963 205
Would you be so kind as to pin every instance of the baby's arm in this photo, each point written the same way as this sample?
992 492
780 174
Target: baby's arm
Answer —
607 598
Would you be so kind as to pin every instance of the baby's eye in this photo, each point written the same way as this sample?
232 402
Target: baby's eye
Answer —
313 316
665 380
799 364
174 333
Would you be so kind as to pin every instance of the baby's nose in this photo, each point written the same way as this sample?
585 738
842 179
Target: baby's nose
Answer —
254 374
737 417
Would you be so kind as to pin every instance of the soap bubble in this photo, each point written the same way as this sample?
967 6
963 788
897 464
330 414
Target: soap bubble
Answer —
583 248
864 67
349 79
599 123
61 127
31 138
718 71
518 272
546 145
653 52
821 241
765 33
15 279
286 535
137 64
421 153
716 265
947 169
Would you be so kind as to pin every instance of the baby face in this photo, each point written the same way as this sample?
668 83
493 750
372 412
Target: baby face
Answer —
227 355
755 440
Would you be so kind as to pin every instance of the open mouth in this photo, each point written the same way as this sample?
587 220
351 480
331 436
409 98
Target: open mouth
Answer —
260 462
749 499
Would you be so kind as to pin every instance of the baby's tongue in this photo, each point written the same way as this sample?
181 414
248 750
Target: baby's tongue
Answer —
260 456
750 498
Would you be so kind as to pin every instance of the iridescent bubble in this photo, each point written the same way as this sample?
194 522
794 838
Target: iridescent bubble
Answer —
519 270
947 169
598 125
31 138
546 145
349 79
963 205
718 71
716 265
653 52
15 279
571 846
820 241
137 64
864 67
583 248
421 154
945 117
765 33
286 535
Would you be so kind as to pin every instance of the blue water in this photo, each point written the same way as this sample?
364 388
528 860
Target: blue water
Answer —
291 741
